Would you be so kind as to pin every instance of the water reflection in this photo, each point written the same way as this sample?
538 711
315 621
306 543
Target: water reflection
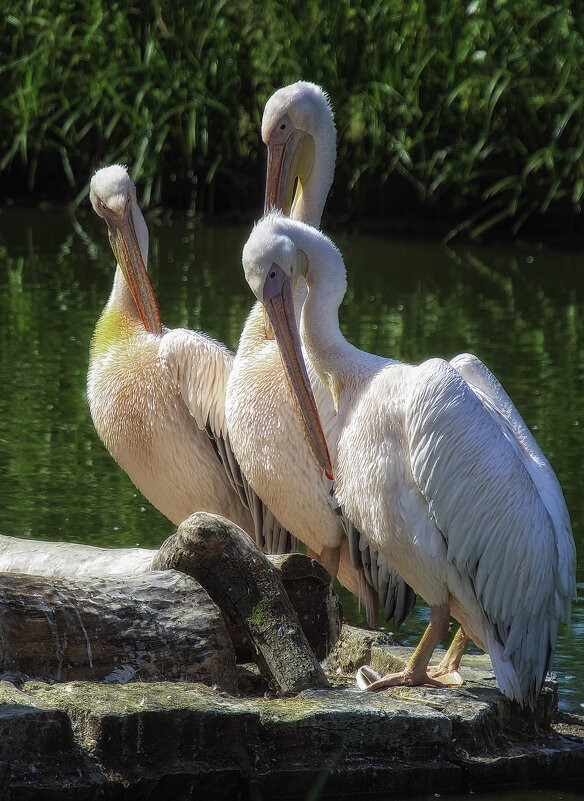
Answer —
520 310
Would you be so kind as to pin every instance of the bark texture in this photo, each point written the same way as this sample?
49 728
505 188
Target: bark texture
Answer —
148 627
249 590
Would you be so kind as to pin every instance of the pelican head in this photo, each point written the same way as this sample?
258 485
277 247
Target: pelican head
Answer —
299 131
272 262
113 197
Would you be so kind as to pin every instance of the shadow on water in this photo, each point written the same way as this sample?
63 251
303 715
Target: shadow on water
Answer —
520 310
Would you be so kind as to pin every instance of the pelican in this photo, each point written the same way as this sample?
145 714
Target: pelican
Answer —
156 395
266 435
436 467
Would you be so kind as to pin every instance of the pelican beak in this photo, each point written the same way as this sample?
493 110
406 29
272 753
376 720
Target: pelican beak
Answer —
124 243
278 303
289 159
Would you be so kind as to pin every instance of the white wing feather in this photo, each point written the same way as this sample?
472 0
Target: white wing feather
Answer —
500 406
201 366
499 532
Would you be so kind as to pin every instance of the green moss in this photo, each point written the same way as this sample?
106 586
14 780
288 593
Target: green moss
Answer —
259 616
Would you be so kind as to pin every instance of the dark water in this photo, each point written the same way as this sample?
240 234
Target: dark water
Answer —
520 310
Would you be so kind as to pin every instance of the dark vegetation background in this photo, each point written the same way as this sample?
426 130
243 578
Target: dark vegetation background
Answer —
452 117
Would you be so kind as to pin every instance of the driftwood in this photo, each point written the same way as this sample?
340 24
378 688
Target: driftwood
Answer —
306 582
308 586
149 627
248 589
98 609
40 558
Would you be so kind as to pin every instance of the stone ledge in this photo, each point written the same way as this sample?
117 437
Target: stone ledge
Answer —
161 740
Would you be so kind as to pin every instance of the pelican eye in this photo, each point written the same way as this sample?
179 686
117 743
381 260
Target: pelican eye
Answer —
283 126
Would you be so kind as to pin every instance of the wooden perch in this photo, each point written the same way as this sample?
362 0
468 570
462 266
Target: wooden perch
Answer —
97 593
306 582
248 589
42 558
148 627
308 586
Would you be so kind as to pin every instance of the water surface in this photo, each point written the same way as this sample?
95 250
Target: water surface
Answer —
520 310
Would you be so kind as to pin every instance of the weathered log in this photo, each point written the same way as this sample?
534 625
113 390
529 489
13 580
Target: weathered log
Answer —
150 627
40 558
308 586
248 589
306 582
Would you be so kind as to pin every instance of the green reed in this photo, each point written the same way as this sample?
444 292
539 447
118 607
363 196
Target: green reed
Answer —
471 114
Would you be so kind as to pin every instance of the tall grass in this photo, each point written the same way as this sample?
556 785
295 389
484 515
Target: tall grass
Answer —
472 116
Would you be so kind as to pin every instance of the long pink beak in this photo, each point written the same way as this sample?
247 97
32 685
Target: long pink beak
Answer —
124 243
277 300
279 172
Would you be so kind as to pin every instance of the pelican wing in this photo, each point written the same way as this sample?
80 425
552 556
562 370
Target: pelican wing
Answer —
501 408
200 366
498 531
394 594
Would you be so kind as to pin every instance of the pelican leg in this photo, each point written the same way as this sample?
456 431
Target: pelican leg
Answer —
451 661
416 671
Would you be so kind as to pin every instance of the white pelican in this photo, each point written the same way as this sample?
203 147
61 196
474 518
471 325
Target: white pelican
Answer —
435 465
266 435
157 395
